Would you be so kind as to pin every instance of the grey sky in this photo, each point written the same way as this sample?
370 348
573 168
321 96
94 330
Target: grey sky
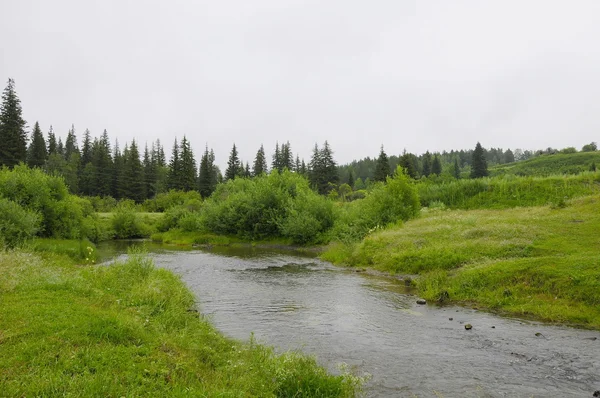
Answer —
421 75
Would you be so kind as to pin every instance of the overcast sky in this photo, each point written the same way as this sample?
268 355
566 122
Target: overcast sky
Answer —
421 75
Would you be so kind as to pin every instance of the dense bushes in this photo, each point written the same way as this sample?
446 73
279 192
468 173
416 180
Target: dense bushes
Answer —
60 214
16 224
277 205
396 200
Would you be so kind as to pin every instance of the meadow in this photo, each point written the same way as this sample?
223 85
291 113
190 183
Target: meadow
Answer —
131 330
539 262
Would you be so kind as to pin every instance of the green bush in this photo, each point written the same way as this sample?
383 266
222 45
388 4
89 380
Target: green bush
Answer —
268 206
61 214
127 224
395 201
166 200
16 223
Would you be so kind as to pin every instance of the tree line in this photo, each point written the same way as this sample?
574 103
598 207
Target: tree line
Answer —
99 168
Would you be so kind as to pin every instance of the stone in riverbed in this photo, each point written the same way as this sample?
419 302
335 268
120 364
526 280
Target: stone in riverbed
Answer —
421 301
468 326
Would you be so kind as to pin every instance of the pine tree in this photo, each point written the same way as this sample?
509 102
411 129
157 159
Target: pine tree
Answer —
382 167
150 176
13 137
174 176
436 165
37 153
86 174
117 171
86 149
189 171
456 169
233 165
323 173
133 174
478 163
351 179
104 168
247 172
426 164
260 162
408 162
287 158
71 144
277 163
52 144
207 181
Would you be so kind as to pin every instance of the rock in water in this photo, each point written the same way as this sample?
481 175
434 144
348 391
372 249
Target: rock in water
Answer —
421 301
597 393
468 326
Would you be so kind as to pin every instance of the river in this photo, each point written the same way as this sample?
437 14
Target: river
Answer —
373 324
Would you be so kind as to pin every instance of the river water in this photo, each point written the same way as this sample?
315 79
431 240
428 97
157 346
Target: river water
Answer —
373 324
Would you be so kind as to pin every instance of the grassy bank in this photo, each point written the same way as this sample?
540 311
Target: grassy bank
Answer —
508 191
130 330
538 261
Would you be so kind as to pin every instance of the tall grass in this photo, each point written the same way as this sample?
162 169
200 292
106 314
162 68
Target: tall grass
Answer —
548 165
539 261
130 329
508 191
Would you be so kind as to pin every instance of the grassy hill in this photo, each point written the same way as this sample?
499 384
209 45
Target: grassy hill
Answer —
536 261
546 165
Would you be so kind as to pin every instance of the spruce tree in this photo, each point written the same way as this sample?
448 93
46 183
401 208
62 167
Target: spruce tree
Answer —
478 163
426 164
456 170
277 163
133 174
13 137
207 181
382 167
260 163
37 153
188 169
323 173
287 157
52 144
408 162
71 144
104 168
174 176
86 149
150 176
436 165
118 164
233 165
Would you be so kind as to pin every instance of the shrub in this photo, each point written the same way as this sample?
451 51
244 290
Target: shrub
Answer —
274 205
16 223
61 214
127 224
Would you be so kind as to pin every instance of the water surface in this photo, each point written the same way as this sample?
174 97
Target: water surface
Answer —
374 325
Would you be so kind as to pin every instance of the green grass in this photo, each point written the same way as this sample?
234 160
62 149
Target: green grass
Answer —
507 191
76 249
130 330
546 165
538 261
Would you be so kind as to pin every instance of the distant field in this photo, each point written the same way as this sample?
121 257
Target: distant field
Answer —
545 165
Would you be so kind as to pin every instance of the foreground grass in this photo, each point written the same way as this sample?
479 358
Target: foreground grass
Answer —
540 261
130 330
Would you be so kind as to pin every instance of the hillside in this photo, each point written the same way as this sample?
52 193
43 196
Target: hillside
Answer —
545 165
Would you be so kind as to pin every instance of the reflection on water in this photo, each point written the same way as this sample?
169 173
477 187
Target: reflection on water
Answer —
372 323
